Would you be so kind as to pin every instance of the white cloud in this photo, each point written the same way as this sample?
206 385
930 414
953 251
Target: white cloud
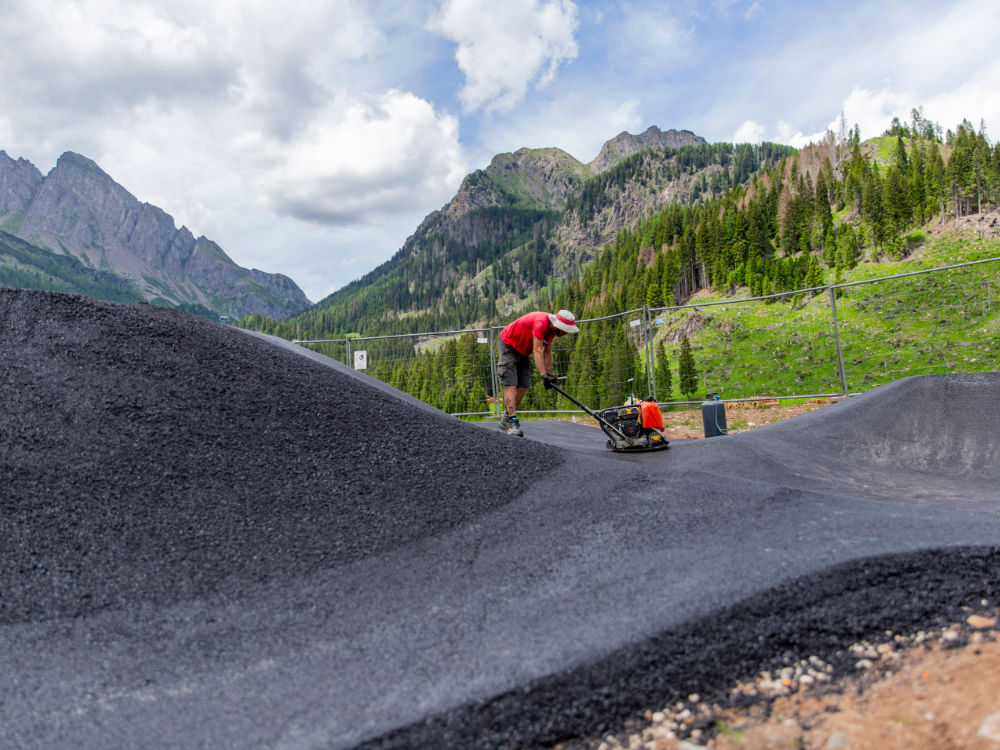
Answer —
264 127
71 68
872 110
578 124
363 159
785 133
505 46
753 11
888 62
749 132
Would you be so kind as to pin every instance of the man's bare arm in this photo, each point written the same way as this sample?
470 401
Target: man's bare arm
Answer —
543 356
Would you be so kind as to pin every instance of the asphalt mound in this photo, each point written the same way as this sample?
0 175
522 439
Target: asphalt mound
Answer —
933 424
819 615
216 540
149 456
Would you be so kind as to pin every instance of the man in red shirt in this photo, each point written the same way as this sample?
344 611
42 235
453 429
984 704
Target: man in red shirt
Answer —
530 335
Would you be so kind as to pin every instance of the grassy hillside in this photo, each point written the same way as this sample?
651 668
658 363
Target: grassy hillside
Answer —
929 323
29 267
947 321
25 266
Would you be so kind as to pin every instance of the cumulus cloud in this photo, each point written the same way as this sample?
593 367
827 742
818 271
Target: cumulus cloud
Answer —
70 69
364 158
504 47
578 124
872 110
749 132
873 72
233 114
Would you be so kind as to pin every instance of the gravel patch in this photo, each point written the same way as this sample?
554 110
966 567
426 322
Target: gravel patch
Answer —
150 456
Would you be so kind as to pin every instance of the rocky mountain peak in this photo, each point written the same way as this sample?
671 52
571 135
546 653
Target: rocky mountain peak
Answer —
540 178
625 144
79 210
19 181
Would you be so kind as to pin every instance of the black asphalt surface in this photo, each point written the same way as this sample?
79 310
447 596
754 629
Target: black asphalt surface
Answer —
213 539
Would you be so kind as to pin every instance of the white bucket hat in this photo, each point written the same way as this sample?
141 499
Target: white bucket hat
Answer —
565 321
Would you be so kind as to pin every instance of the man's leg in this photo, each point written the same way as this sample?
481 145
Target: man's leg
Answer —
512 396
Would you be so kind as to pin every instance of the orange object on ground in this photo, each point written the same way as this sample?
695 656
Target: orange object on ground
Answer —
650 415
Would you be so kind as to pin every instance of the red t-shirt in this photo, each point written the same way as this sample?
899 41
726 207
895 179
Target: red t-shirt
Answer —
534 325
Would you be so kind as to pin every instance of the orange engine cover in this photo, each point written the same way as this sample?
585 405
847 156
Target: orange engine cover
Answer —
650 415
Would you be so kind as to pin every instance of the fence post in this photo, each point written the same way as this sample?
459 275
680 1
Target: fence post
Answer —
648 336
347 356
494 376
836 337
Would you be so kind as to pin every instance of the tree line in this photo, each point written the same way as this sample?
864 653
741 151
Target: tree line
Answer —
798 223
794 227
602 362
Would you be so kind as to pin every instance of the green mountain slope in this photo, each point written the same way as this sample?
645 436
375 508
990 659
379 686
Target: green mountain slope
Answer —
78 210
518 229
836 212
28 267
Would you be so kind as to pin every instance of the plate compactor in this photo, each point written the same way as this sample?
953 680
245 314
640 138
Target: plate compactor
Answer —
623 426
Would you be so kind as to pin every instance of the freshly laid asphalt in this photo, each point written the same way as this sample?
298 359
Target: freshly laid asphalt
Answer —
215 539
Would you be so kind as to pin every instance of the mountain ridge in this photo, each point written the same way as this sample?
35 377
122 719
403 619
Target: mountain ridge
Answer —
79 210
626 144
531 214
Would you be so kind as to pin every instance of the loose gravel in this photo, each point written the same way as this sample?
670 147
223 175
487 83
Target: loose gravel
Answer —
150 456
216 541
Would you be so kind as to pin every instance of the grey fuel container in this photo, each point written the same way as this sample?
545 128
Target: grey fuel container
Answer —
713 415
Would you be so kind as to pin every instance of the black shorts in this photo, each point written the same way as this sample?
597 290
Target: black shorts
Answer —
514 368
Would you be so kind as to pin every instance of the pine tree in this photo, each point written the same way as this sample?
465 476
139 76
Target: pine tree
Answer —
661 370
653 296
687 376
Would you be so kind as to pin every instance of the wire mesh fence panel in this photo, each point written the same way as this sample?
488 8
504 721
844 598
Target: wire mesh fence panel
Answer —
790 345
332 348
449 370
607 363
786 347
603 365
942 322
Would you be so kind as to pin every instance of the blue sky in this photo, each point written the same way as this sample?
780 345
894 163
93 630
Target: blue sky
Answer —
312 138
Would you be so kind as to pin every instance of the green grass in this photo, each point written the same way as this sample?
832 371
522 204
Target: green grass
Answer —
12 221
931 323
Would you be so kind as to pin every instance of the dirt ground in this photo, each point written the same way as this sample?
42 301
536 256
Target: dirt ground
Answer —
927 691
740 416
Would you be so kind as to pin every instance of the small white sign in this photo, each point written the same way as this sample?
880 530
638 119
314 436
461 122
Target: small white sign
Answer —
482 340
360 359
635 323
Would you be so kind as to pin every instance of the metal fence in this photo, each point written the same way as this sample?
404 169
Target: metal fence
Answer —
825 341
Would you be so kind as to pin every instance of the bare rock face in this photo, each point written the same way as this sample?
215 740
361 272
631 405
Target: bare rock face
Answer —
625 145
77 209
19 180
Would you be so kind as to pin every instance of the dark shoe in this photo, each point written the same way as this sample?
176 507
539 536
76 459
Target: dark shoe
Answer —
510 425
